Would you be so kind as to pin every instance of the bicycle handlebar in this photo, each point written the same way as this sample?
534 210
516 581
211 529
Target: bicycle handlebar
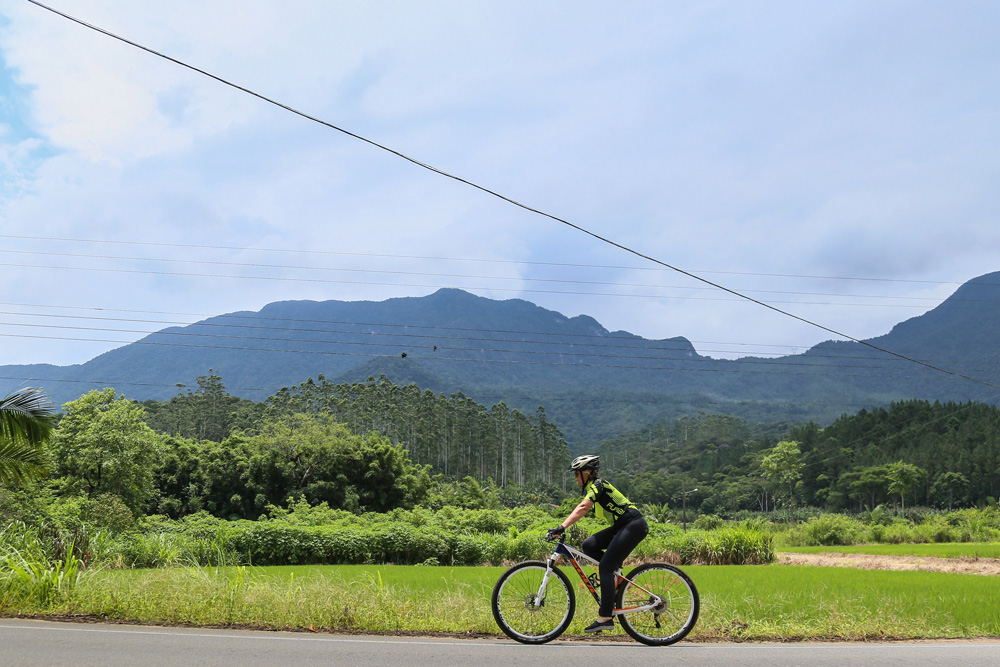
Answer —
554 538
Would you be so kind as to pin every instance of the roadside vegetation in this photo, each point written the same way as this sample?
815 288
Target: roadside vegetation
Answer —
738 602
279 573
348 507
305 534
878 527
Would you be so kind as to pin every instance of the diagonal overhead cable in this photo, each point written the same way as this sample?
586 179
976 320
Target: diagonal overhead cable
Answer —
509 200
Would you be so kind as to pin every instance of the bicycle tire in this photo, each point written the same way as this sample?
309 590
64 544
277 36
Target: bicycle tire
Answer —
670 622
515 609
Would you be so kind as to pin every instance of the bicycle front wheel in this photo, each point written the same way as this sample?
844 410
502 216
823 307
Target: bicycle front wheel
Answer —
675 613
525 615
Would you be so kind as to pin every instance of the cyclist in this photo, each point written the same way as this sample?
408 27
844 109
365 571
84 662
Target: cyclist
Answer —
612 545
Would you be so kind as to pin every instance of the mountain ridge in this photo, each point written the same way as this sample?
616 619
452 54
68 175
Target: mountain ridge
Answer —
590 379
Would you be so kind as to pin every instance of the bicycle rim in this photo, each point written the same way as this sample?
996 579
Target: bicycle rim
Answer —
519 612
676 614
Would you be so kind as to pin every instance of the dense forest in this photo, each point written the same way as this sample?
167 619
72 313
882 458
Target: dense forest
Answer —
370 446
376 446
913 453
455 435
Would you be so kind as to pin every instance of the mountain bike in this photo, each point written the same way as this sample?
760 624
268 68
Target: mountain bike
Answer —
533 602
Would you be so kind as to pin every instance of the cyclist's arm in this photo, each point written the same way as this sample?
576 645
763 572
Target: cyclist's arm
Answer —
578 513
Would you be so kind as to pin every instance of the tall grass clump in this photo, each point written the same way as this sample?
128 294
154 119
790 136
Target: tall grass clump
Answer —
888 526
32 570
975 525
165 550
732 544
828 530
41 581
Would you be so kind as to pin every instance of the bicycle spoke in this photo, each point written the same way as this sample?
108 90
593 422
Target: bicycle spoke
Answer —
675 599
524 615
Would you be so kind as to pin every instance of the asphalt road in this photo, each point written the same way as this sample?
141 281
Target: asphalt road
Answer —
29 643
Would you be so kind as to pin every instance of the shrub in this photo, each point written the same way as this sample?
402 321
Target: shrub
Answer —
107 511
936 529
154 550
740 545
659 513
899 533
976 525
708 522
827 530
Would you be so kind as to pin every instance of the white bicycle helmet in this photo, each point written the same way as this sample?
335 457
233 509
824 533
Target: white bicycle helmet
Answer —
585 462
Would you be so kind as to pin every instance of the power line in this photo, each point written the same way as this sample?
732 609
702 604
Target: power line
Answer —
436 275
478 260
417 353
259 317
448 348
438 340
518 290
514 202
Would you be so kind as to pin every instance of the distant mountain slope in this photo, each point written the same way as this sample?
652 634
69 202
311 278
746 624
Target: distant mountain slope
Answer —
592 381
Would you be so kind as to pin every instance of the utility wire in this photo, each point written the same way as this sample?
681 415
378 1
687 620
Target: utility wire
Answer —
518 290
478 260
422 353
622 337
438 340
459 348
257 317
257 265
514 202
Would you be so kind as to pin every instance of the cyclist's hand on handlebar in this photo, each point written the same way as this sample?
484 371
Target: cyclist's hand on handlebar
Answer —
555 532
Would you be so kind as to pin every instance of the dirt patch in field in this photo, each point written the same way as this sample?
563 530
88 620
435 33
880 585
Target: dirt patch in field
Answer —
984 566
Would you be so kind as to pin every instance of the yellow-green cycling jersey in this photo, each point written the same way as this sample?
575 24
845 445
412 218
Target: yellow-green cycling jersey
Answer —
609 503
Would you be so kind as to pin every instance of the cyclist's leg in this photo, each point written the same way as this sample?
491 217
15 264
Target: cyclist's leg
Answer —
622 544
595 545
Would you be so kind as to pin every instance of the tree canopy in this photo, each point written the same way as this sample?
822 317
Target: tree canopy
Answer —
912 453
103 445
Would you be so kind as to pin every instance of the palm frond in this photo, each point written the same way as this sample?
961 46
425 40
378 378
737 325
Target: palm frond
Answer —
21 461
26 415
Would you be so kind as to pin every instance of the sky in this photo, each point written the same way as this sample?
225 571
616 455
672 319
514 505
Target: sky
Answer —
835 160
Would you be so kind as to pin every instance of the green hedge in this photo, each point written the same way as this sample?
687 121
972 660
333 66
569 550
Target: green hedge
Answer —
449 536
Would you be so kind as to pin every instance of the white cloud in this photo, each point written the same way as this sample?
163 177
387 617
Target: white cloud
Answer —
846 139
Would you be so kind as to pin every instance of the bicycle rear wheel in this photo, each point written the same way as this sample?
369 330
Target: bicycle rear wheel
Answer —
676 613
521 614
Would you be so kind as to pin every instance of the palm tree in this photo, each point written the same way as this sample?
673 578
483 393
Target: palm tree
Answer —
26 419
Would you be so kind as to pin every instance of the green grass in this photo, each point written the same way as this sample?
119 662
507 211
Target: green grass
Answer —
793 602
740 602
936 550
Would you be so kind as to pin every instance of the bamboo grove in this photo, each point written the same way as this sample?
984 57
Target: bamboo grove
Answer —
456 436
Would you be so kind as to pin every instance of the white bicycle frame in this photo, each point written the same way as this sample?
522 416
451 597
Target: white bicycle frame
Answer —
574 556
